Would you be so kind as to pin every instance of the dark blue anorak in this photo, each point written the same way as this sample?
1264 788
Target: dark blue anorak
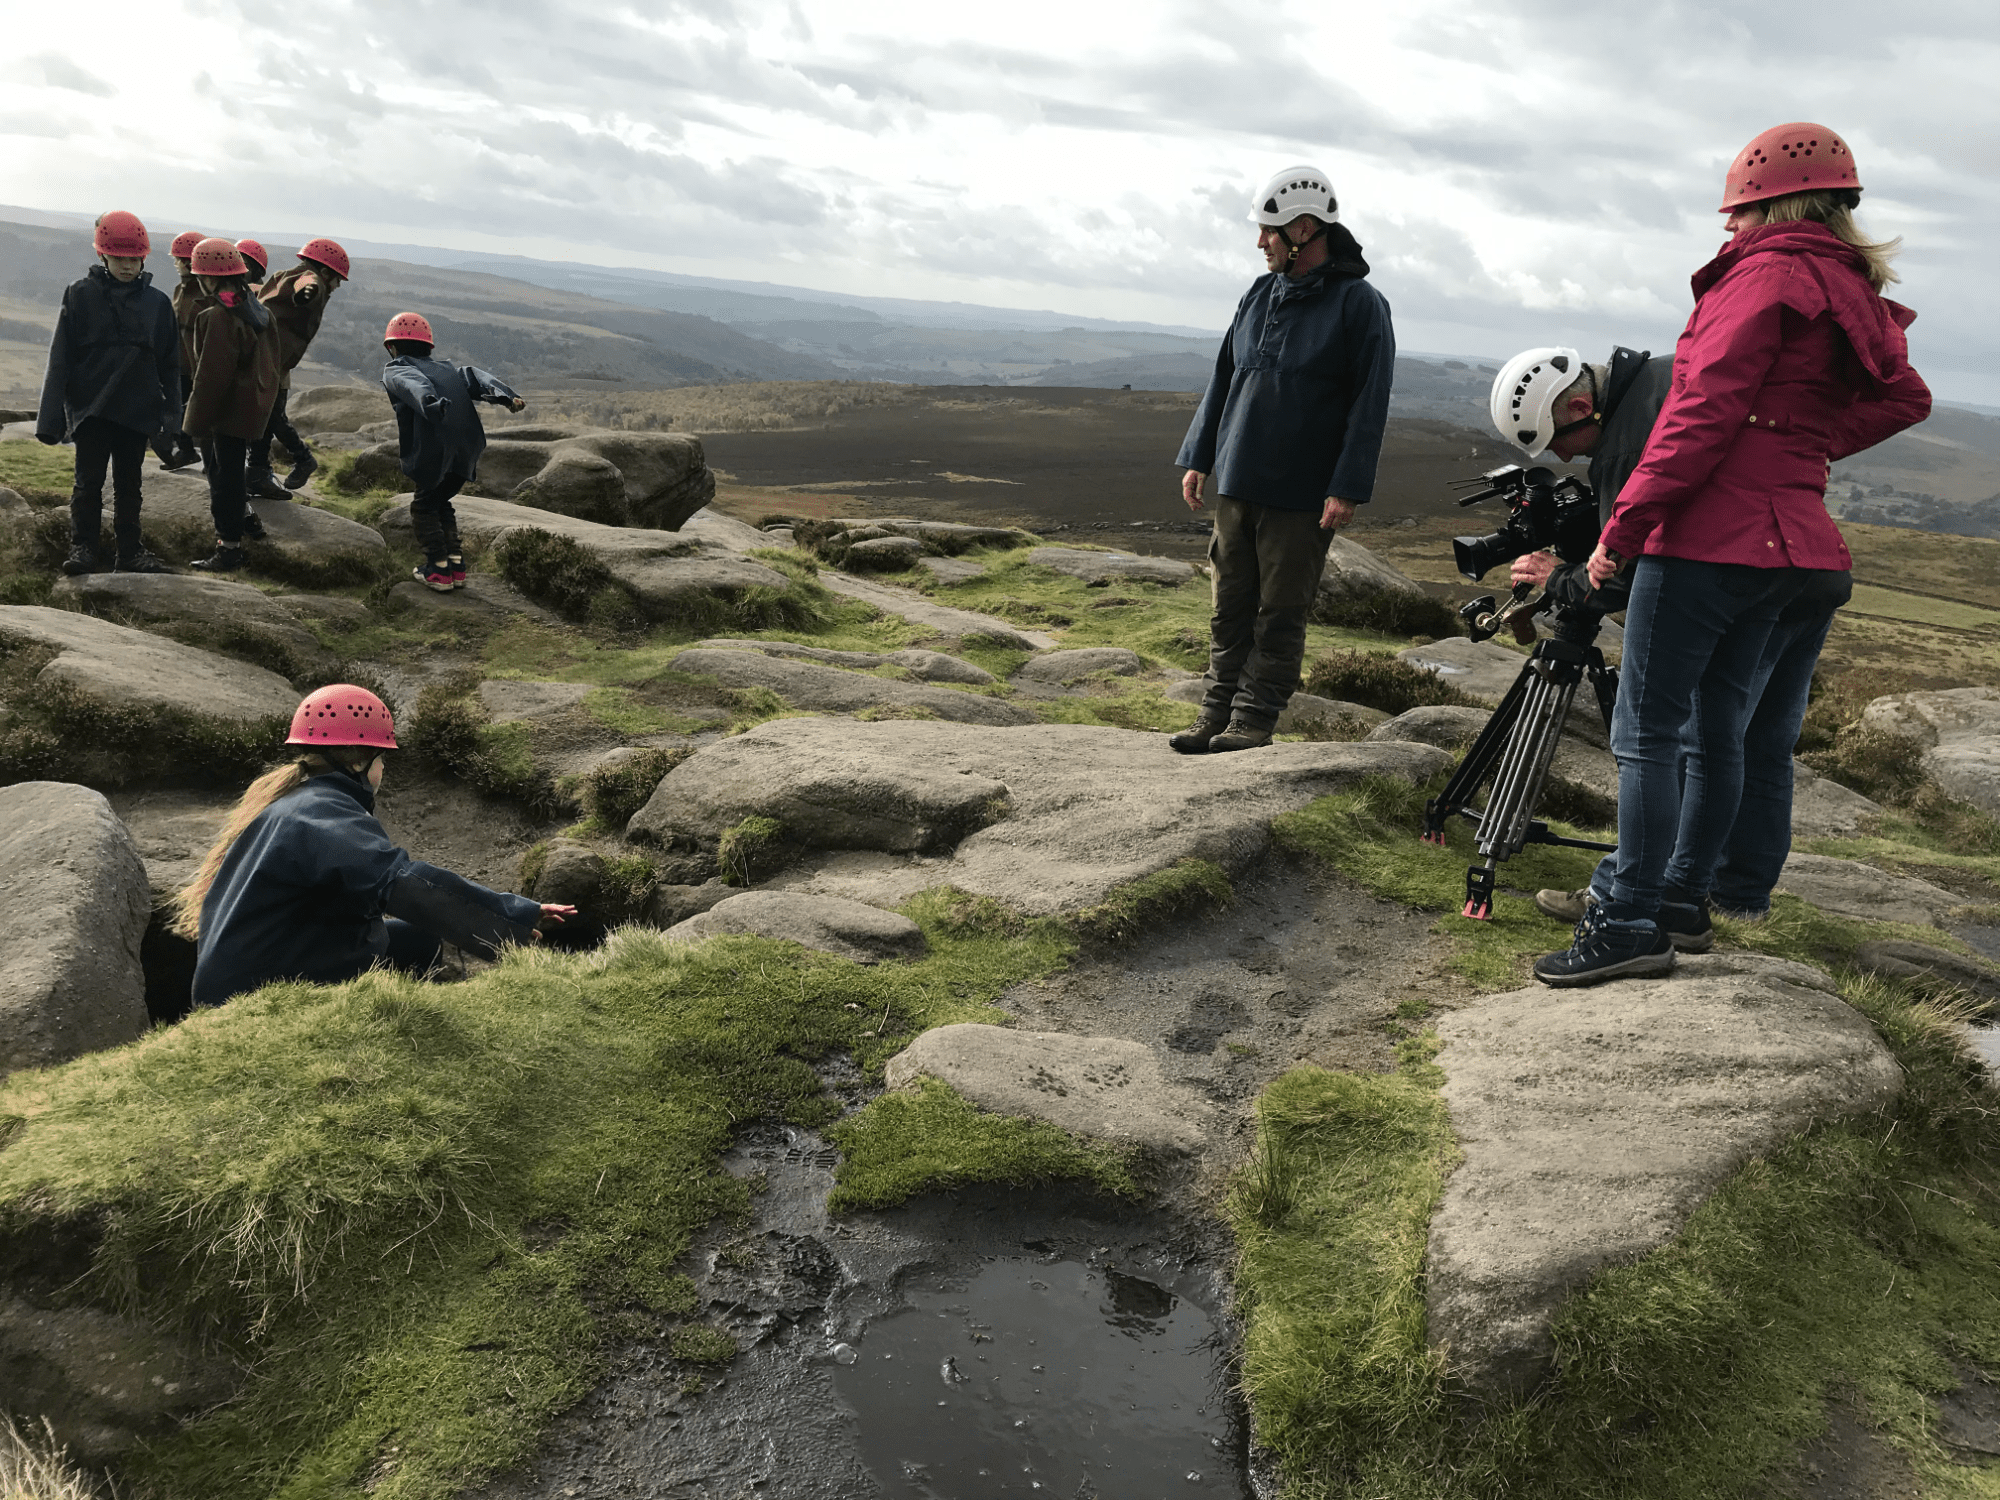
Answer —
116 354
1300 396
438 430
303 892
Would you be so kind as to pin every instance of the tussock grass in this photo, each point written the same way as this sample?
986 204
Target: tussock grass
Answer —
38 474
34 1467
1186 885
1376 680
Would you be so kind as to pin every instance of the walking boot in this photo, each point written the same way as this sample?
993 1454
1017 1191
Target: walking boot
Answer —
1565 906
1605 947
435 576
1195 739
139 560
181 457
227 558
264 487
253 526
304 469
1240 735
82 559
1687 925
457 569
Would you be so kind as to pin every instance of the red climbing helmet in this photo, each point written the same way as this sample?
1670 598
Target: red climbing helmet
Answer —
328 253
216 257
121 234
343 715
184 243
408 325
1796 158
256 254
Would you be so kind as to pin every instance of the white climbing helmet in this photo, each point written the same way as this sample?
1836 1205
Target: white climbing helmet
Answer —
1295 191
1524 396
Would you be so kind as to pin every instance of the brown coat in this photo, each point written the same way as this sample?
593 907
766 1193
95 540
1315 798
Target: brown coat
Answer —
297 316
234 382
189 300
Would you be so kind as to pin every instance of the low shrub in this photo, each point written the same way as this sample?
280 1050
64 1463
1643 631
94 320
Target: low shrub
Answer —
553 570
451 729
1379 681
1396 614
611 794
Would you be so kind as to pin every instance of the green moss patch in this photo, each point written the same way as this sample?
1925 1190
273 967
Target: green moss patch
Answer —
37 473
1187 885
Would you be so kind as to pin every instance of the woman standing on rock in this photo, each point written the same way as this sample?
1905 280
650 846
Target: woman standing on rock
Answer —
114 381
304 884
231 388
1792 360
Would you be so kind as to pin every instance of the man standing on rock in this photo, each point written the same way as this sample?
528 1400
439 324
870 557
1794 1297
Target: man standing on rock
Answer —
1290 430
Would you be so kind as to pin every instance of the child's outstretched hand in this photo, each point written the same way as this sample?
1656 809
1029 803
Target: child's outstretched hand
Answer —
553 915
517 404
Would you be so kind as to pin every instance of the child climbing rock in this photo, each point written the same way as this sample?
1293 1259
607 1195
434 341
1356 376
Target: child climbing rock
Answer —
297 300
440 436
304 883
233 382
175 448
113 381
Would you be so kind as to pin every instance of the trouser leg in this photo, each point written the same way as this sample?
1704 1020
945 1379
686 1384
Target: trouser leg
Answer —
128 457
1699 627
1291 555
411 949
227 460
433 518
279 426
86 497
1234 586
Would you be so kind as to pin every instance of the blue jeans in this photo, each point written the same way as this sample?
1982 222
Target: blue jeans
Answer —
1717 665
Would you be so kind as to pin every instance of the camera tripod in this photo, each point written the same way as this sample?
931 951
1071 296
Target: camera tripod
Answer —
1517 746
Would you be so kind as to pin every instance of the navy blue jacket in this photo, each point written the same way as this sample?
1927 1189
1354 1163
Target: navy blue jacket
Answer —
1634 391
436 426
303 892
116 354
1296 408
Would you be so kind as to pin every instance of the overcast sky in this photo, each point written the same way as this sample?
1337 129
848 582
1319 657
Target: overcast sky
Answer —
1518 174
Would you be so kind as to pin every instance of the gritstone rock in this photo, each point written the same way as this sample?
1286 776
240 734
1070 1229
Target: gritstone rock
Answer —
945 621
1112 567
847 929
1848 888
883 554
949 569
670 905
221 613
1097 1086
1067 666
131 673
1481 670
303 537
507 700
70 981
485 596
655 480
1306 713
950 537
106 1384
928 666
1047 817
1353 572
664 571
576 484
805 684
339 408
1958 732
1824 809
1897 959
1595 1121
1454 728
172 828
14 510
572 874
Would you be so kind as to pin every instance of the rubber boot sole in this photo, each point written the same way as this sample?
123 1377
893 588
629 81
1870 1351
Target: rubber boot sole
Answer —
1643 966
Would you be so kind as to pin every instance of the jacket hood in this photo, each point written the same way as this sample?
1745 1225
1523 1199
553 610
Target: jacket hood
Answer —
250 310
339 782
113 284
1834 279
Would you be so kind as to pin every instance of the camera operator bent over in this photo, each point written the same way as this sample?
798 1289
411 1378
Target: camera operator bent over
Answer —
1791 359
1290 431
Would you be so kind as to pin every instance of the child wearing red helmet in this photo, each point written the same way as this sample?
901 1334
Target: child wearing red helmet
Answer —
303 883
175 448
297 299
231 388
441 438
113 381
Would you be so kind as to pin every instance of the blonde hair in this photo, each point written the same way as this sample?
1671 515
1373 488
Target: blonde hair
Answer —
1835 209
262 792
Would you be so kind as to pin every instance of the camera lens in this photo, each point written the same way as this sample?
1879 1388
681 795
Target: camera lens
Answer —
1477 554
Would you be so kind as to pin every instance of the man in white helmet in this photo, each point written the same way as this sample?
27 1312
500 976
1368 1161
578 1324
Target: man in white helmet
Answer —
1289 431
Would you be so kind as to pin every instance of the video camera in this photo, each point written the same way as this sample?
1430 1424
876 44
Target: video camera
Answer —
1543 511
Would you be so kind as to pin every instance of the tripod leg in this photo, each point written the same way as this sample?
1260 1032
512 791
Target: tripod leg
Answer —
1479 890
1458 792
1517 787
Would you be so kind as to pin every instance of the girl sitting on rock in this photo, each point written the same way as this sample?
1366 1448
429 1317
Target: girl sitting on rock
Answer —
440 436
304 883
230 392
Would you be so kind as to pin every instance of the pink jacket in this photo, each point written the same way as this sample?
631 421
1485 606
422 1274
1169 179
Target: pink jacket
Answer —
1789 361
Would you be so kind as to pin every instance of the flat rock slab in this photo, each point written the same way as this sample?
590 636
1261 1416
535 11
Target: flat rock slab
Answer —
1048 818
950 570
235 612
1958 733
508 700
1479 669
1849 888
1112 567
172 829
1087 661
1824 809
929 666
1097 1086
1353 572
70 981
1595 1121
824 689
123 670
484 597
920 611
1304 714
1454 728
848 929
1897 959
303 533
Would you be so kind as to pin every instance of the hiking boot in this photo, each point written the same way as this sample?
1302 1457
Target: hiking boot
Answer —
253 526
1687 926
264 487
1606 948
82 559
227 558
457 570
141 561
304 469
435 576
1240 735
1565 906
180 458
1194 740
